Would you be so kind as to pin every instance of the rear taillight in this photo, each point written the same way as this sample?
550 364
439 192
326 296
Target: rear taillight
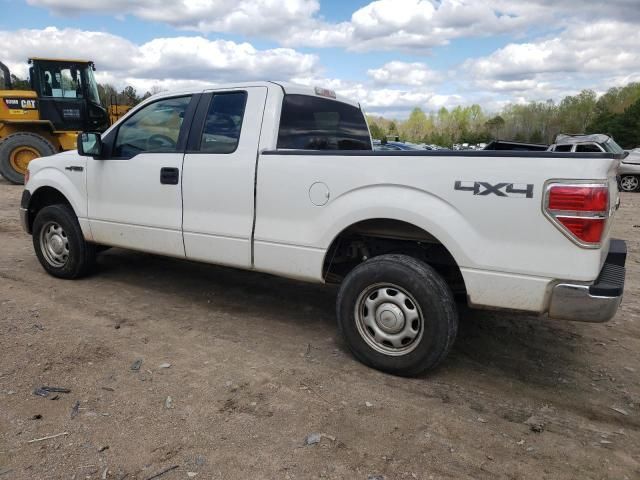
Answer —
580 211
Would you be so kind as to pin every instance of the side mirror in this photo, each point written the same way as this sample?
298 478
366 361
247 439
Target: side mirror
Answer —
89 144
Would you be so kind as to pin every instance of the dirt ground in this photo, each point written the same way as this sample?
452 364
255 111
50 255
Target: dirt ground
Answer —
256 366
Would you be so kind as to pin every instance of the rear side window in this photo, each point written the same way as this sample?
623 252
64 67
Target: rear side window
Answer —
313 123
562 148
222 126
588 147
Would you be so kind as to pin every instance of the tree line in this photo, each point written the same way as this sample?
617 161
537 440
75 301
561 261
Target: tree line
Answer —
127 96
617 113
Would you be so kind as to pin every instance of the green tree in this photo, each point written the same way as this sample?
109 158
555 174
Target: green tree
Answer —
107 94
618 99
577 112
19 83
537 122
416 127
392 130
376 131
130 95
628 132
495 126
536 137
623 127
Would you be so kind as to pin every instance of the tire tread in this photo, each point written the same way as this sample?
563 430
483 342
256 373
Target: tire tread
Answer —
422 272
83 261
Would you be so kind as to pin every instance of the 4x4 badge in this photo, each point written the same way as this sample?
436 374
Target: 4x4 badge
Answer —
503 189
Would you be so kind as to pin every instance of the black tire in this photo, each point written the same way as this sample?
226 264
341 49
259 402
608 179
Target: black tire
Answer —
80 255
629 183
415 281
30 140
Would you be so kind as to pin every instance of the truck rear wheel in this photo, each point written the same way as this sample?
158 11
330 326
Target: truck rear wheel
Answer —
397 315
17 150
59 243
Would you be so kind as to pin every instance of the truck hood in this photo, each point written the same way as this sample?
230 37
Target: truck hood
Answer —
633 157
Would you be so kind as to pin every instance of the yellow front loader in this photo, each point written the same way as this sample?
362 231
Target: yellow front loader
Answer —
46 119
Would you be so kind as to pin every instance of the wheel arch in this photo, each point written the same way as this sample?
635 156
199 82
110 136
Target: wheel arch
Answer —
43 197
382 235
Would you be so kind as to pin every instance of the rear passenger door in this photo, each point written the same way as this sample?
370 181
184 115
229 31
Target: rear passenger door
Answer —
219 176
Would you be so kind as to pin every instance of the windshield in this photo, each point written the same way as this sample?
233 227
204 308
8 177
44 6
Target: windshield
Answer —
612 147
92 86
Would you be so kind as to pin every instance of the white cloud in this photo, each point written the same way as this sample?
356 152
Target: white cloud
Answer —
255 17
403 73
394 101
422 24
411 25
167 62
584 45
380 25
109 51
590 55
417 25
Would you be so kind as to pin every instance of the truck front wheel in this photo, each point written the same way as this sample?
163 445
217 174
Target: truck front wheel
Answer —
59 243
397 315
17 150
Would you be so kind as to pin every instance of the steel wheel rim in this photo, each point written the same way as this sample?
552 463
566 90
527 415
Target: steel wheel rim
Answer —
20 158
389 319
629 183
54 244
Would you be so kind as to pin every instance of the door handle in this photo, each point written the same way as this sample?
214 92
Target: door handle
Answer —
169 176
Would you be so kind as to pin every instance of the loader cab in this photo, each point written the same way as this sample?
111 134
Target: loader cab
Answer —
68 94
5 77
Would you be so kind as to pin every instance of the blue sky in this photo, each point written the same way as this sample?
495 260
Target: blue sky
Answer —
391 55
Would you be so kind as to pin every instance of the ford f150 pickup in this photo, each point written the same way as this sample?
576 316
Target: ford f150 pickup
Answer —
282 179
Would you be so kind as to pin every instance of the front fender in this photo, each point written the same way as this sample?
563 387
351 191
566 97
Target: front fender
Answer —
52 171
53 178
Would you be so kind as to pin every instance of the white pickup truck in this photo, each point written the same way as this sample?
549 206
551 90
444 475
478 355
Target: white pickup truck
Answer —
282 179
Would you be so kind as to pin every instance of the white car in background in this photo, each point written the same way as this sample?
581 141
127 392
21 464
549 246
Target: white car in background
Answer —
629 172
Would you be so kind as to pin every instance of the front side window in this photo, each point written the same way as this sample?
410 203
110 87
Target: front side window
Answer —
154 128
92 85
65 82
222 126
314 123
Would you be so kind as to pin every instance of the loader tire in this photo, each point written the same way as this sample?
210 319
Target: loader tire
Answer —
17 150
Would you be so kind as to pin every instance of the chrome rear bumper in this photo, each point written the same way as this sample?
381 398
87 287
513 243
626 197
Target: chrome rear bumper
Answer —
595 302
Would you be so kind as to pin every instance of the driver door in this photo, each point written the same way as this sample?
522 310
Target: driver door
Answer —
135 192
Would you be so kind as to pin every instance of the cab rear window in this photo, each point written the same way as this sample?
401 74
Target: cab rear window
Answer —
313 123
